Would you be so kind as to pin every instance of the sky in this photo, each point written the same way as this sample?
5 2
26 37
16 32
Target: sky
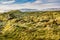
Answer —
6 5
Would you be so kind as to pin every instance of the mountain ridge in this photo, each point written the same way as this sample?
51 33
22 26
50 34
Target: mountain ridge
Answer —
33 10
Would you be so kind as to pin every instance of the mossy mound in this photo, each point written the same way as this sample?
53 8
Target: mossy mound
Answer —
16 25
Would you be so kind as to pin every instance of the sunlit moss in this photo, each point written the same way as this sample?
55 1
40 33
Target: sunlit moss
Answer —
16 25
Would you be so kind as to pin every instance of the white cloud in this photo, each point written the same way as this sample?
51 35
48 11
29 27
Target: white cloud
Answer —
27 5
7 1
35 5
38 1
53 0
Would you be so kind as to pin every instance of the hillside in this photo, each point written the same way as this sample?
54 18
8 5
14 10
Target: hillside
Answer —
17 25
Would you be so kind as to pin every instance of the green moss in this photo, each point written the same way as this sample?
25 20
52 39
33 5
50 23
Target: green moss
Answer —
16 25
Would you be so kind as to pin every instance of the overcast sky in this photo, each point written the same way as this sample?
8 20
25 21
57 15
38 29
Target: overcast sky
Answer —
30 4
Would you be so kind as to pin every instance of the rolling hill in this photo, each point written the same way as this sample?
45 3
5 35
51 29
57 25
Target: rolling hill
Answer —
42 25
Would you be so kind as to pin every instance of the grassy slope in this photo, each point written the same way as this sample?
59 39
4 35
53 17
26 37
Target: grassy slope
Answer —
16 25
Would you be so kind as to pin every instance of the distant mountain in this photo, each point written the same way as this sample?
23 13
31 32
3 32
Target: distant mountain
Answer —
33 10
51 9
28 10
47 9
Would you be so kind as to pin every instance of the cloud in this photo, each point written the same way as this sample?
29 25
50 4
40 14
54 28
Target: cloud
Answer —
53 0
28 5
38 4
38 1
7 1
